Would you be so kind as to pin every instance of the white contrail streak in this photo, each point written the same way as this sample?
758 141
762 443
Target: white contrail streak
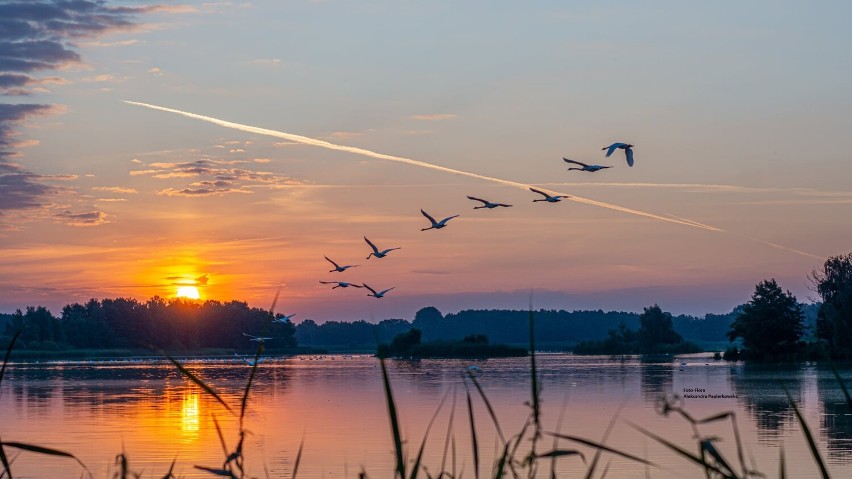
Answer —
360 151
372 154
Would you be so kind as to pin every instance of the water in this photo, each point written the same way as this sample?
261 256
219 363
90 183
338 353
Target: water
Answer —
146 408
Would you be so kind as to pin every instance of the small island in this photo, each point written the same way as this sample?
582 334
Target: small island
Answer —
656 335
474 346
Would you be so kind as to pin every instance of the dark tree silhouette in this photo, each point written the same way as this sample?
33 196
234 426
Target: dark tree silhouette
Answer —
771 324
656 328
834 320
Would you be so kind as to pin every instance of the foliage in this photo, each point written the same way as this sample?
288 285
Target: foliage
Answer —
771 324
171 325
409 345
834 320
656 329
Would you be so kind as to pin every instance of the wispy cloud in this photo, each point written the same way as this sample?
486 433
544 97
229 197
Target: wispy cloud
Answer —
92 218
115 189
434 117
218 177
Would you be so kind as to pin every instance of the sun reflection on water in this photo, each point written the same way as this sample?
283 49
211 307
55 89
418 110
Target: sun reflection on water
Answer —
189 413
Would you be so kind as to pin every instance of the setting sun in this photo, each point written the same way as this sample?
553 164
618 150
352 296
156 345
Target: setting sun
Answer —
190 292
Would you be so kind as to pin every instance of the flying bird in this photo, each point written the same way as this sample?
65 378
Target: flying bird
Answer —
376 252
373 292
620 146
487 204
585 167
259 339
337 267
548 198
284 318
436 225
340 284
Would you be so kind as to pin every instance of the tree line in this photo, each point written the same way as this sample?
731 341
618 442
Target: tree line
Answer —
773 325
157 323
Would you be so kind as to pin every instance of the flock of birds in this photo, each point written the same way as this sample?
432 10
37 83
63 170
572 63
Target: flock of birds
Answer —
436 225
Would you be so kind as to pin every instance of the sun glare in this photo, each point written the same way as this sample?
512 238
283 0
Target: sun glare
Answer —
190 292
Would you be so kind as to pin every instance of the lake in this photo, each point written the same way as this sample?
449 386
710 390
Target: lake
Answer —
336 404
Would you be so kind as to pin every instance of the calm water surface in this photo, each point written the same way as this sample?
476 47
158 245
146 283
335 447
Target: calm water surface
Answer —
336 403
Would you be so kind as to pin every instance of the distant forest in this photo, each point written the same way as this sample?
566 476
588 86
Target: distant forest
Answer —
191 326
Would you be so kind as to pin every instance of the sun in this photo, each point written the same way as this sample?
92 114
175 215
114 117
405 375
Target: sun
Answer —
190 292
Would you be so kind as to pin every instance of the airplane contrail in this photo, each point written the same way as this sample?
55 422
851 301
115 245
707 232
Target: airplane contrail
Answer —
381 156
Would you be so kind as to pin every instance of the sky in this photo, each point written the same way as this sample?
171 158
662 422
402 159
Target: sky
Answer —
289 131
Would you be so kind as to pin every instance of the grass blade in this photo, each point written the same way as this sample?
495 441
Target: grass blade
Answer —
216 472
254 365
170 474
8 352
5 461
604 438
698 460
397 438
221 437
44 450
449 431
472 433
209 390
782 468
596 445
487 406
501 463
810 438
416 467
298 457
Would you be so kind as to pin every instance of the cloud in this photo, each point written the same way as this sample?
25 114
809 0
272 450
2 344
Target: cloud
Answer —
155 71
266 61
121 43
92 218
37 36
215 177
115 189
434 117
19 188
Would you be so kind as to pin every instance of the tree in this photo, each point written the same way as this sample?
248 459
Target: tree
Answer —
656 328
834 320
771 324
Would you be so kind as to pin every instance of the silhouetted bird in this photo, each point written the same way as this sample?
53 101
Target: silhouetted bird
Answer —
548 198
373 292
337 267
436 225
620 146
340 284
259 339
376 252
585 167
487 204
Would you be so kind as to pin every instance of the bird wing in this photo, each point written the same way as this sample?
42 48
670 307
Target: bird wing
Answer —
385 291
575 162
249 336
540 192
478 199
612 148
428 217
371 289
355 285
375 250
629 153
448 218
328 282
332 262
503 204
